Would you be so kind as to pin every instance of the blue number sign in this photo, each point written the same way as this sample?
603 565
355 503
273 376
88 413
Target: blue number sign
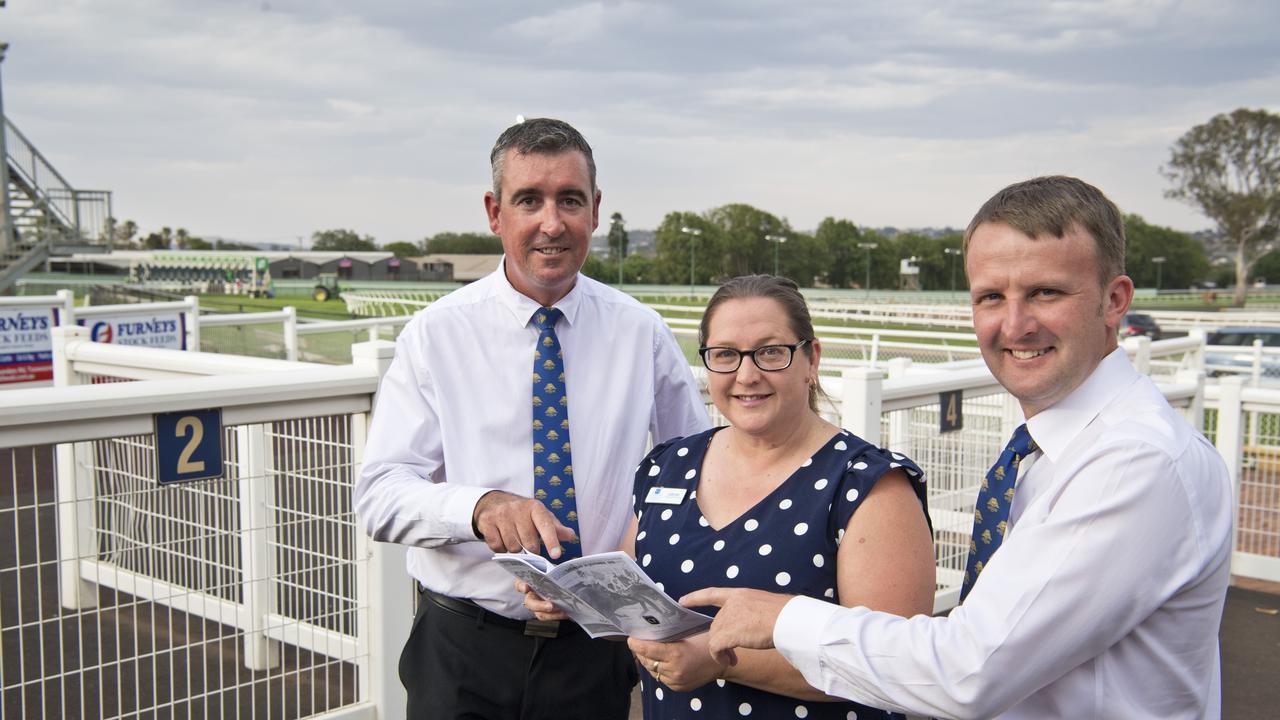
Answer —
188 445
951 417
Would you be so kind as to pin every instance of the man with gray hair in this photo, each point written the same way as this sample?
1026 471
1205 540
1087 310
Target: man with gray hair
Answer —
1102 537
512 417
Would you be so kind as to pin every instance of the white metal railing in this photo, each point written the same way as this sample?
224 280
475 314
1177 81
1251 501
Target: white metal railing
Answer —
1247 433
250 595
389 302
844 347
1208 321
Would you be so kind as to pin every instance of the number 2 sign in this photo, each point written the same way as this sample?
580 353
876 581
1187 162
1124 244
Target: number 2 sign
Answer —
188 445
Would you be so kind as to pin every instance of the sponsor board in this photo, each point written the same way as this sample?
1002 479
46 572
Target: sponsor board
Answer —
158 330
26 347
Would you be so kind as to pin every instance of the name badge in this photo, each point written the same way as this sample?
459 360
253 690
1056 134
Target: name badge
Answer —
665 496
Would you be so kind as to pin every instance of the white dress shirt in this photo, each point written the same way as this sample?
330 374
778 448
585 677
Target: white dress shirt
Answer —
1104 600
454 421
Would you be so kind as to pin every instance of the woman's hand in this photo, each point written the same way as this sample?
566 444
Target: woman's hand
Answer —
682 666
542 608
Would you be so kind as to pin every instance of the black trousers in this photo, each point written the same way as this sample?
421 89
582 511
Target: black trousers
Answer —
463 668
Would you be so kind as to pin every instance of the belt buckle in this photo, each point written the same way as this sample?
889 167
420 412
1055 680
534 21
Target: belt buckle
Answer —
542 628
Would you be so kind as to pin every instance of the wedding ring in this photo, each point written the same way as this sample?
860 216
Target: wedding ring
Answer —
655 666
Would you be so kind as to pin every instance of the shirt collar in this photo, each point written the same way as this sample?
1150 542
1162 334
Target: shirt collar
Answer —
522 306
1055 427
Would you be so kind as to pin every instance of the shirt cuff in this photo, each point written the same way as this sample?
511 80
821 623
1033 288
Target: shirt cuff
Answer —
798 634
460 509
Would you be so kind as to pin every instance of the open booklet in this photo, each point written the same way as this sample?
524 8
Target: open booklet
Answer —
607 594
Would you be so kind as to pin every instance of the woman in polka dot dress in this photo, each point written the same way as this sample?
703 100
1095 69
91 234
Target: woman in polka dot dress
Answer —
779 500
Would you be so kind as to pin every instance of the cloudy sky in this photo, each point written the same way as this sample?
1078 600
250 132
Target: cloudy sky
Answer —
267 120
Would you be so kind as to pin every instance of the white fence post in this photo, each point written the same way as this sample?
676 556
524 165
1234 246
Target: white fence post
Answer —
1195 411
899 438
1230 438
193 322
290 333
861 402
384 592
1139 349
75 489
257 490
1197 356
1256 375
66 313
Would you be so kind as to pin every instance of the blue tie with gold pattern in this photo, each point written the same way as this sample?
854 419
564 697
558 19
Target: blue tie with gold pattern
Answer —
991 513
552 451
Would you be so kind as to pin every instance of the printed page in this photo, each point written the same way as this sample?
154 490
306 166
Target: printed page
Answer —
615 586
527 567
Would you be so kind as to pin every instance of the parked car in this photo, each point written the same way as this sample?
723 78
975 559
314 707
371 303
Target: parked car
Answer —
1230 350
1139 324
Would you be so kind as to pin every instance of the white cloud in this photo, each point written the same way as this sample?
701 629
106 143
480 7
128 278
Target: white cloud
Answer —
238 121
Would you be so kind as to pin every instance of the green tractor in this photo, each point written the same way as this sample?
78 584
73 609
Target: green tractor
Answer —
326 287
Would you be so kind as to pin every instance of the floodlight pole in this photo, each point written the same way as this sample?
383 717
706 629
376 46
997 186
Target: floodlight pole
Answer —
1159 261
868 247
613 224
952 252
777 241
693 234
7 239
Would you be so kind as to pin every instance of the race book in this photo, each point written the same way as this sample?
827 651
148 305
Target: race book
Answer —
607 594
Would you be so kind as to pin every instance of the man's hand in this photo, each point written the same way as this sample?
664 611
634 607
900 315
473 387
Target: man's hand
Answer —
746 619
542 608
508 523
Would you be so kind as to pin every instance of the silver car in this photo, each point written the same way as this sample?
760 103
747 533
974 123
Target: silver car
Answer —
1230 351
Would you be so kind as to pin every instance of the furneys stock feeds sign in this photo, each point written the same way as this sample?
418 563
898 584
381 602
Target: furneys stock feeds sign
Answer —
158 330
26 350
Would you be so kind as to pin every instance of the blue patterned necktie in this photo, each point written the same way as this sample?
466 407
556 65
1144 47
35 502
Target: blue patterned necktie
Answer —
991 513
552 456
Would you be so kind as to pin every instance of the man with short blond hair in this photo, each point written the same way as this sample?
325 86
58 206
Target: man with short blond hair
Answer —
1099 568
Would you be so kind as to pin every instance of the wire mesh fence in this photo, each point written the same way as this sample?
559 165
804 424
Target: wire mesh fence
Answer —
954 463
224 598
1258 506
250 339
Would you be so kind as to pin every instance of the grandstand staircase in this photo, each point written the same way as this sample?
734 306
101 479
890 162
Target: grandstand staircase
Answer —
45 210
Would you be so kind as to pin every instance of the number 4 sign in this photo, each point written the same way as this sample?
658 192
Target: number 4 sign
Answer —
188 445
951 417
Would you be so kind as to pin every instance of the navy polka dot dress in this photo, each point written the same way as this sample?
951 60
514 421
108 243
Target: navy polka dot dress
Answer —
786 543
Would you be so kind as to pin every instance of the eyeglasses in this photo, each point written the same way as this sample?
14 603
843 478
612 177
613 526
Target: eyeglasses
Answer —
770 358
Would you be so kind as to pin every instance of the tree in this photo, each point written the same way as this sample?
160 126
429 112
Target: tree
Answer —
674 255
596 269
157 240
232 245
742 245
402 249
452 243
1229 167
618 240
122 234
341 240
1184 257
844 258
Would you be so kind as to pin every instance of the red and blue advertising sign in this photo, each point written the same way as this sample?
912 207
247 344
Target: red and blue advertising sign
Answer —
158 330
26 348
